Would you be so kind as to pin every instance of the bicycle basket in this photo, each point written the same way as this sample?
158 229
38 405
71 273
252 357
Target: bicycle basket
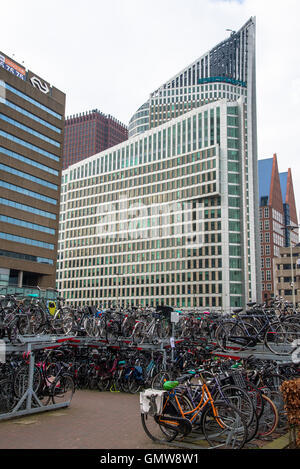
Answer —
151 401
239 379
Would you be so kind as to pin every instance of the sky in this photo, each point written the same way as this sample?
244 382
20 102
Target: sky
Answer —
111 54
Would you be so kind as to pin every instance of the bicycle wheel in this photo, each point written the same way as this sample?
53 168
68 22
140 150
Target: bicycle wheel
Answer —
238 398
138 333
57 322
21 380
268 421
224 333
281 338
37 321
160 428
90 326
68 323
134 382
227 429
24 325
62 389
164 329
7 398
112 333
159 379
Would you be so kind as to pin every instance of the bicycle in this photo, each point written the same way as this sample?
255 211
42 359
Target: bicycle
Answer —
239 335
222 425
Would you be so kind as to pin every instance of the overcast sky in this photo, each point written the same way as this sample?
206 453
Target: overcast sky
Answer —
111 54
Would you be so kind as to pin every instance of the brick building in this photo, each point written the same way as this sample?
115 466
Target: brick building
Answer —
89 133
277 210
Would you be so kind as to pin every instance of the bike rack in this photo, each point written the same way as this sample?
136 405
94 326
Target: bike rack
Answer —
28 345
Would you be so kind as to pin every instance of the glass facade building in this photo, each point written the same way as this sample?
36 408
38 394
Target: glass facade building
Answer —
170 216
31 146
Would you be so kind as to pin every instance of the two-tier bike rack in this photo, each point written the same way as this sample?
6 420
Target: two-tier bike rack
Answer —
27 346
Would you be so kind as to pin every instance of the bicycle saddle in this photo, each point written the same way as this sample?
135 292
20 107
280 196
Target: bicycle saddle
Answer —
237 310
169 385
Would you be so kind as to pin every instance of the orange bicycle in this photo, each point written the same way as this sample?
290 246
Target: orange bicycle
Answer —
167 414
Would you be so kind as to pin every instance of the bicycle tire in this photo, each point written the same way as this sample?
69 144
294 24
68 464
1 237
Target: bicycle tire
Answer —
7 398
21 380
279 338
138 333
268 422
68 323
62 389
239 398
227 430
89 325
154 427
104 383
134 385
23 325
37 321
223 333
159 379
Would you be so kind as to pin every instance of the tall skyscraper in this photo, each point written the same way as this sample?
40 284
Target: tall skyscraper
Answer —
89 133
171 215
31 148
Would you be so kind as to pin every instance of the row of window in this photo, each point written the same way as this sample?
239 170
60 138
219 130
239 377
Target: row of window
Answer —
27 257
19 141
26 160
27 192
25 224
27 129
30 100
27 176
27 208
144 174
31 116
23 240
82 297
169 255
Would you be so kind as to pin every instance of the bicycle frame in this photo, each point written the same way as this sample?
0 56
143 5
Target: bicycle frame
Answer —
191 415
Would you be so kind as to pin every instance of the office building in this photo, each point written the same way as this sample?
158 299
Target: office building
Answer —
31 148
287 274
289 208
277 211
89 133
171 215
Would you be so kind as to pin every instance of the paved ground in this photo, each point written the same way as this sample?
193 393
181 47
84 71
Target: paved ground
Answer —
93 421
